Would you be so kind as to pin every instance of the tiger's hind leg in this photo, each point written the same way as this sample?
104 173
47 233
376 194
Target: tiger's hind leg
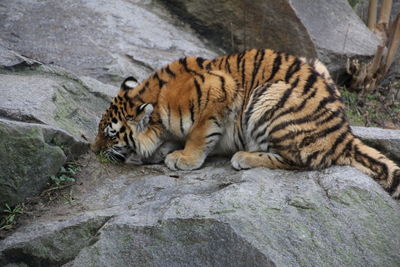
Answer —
246 160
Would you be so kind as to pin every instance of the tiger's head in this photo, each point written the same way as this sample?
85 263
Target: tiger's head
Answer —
122 122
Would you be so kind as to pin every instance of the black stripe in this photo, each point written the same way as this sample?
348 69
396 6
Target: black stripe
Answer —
330 117
228 65
141 91
183 62
256 66
262 129
242 144
312 157
322 134
161 82
312 78
327 100
170 72
371 161
293 109
137 97
332 150
169 115
207 98
200 75
213 134
395 182
181 120
126 139
288 136
310 117
200 62
198 90
214 119
244 72
286 57
264 140
132 141
114 107
220 63
191 108
345 152
222 80
238 63
119 116
276 66
295 67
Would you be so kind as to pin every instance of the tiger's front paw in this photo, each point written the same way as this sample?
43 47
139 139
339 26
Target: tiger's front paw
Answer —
177 160
239 161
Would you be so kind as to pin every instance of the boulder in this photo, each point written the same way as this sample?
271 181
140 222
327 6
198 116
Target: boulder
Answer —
214 216
329 30
27 160
102 39
34 92
387 141
46 114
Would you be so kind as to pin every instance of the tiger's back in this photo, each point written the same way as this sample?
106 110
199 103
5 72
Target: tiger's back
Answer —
272 109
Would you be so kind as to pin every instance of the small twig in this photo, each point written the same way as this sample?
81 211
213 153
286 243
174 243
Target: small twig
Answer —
56 188
345 38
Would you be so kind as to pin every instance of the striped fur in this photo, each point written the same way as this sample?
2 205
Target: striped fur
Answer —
263 107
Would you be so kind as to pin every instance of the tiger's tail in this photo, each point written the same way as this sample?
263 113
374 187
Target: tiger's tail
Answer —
373 163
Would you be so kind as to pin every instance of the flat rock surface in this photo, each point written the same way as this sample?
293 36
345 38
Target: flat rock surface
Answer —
213 216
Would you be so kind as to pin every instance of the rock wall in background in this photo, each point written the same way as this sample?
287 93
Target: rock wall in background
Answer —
329 29
107 40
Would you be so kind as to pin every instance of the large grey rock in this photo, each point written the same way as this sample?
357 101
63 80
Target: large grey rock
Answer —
46 113
385 140
33 92
329 30
215 216
107 40
27 160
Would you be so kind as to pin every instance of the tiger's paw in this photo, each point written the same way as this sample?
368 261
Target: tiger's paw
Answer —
239 161
177 160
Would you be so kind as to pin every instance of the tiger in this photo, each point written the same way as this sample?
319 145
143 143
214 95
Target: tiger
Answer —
262 107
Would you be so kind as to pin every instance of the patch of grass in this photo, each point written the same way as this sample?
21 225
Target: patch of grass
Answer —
374 109
68 197
102 158
8 217
63 179
59 181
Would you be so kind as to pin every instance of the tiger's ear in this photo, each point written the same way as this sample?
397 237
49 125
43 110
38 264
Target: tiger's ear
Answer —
143 114
129 83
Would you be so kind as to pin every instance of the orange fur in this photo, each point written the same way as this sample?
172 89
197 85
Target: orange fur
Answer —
267 108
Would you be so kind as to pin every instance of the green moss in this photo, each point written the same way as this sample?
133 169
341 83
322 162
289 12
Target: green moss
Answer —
27 162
